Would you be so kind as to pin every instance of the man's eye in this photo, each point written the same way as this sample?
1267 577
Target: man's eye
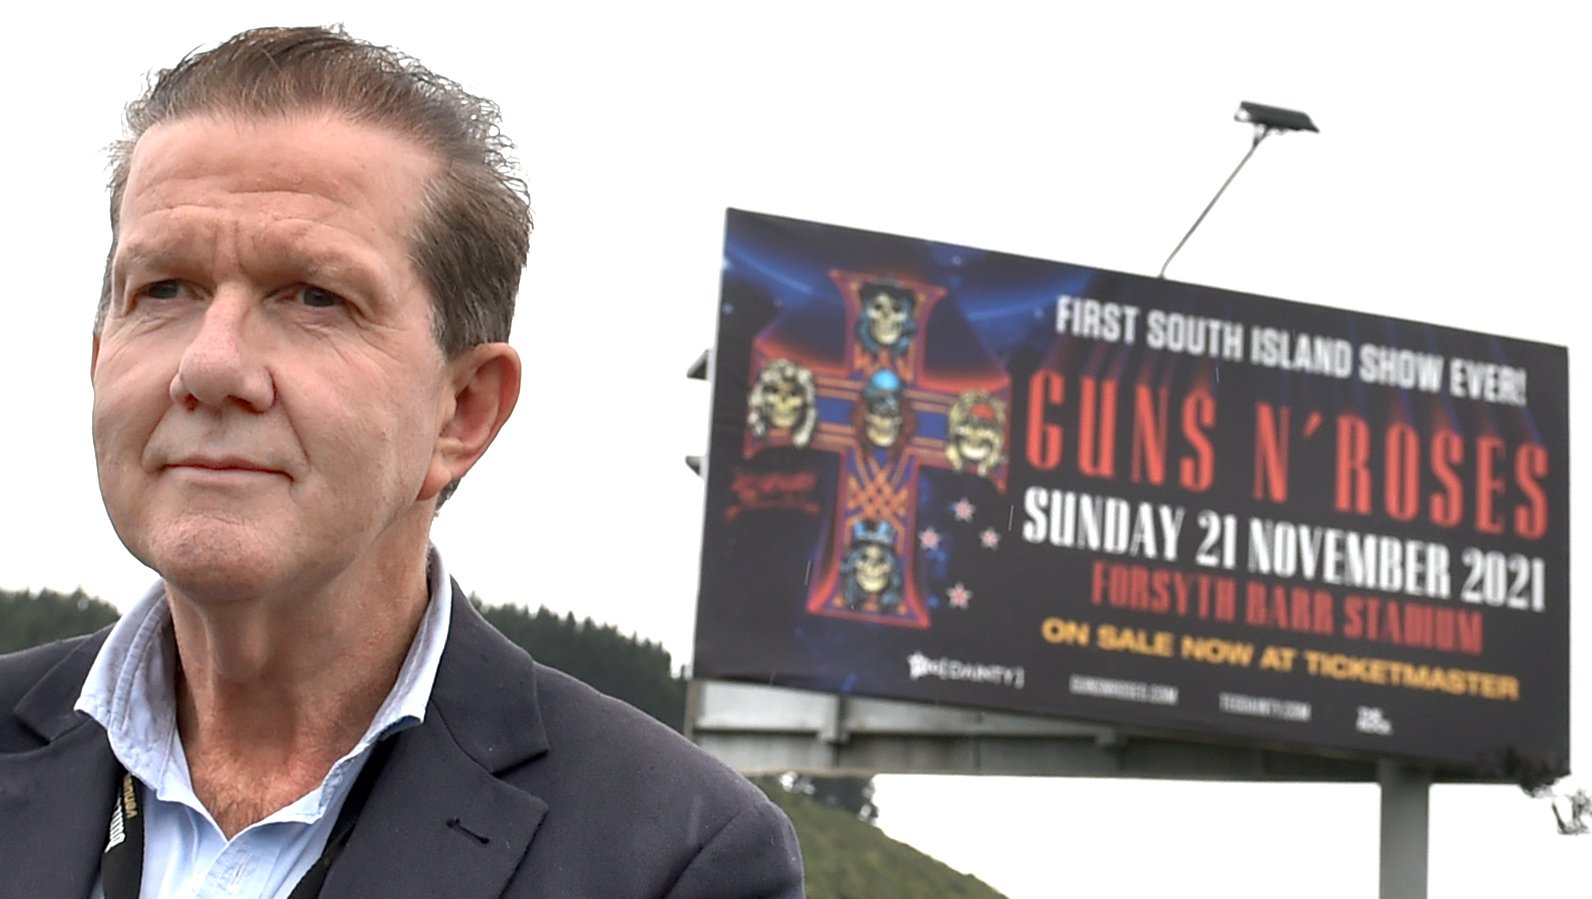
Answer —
317 298
163 290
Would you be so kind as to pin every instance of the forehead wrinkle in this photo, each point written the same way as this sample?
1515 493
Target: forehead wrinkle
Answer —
278 244
236 204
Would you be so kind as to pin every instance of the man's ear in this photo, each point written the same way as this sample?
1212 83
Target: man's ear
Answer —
93 357
484 383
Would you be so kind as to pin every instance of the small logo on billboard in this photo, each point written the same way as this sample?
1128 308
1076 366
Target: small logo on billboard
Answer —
1126 690
922 666
756 490
1263 707
1372 720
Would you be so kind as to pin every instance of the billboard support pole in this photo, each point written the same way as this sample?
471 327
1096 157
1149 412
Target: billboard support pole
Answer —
1268 120
1405 793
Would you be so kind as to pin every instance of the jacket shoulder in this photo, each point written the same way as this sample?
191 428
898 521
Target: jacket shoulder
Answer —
680 813
629 807
584 723
42 682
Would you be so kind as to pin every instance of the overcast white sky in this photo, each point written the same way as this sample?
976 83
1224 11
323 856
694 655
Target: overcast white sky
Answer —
1449 184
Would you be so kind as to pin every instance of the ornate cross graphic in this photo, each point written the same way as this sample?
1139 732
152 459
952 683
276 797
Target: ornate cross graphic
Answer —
887 413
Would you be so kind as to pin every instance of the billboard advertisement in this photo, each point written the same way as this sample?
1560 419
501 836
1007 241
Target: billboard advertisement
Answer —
945 474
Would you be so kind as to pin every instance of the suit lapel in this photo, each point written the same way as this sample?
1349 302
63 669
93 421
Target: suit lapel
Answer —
55 801
439 820
436 824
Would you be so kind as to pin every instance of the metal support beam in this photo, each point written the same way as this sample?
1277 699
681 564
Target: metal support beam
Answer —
1405 794
758 729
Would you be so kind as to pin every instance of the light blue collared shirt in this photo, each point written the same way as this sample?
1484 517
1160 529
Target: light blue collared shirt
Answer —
129 691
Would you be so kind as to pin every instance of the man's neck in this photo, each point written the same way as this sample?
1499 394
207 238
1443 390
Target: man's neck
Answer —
271 692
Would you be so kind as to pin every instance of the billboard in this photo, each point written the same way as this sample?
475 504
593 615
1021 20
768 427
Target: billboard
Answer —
945 474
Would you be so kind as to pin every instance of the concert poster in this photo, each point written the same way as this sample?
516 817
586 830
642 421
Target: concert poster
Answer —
952 475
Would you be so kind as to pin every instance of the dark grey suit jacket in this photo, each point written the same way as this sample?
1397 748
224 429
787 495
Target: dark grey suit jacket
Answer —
521 782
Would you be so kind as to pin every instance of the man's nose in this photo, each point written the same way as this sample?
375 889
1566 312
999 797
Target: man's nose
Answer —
224 364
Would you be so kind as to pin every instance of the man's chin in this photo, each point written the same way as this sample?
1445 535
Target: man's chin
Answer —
215 569
210 586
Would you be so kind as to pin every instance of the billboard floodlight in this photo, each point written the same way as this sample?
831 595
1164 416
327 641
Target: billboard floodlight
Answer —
1268 120
1273 118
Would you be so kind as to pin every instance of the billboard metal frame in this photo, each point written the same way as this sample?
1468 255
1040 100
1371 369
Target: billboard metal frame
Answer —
760 730
766 730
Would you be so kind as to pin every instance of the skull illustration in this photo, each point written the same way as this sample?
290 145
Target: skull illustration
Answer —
784 402
882 398
874 564
886 324
977 426
871 569
784 398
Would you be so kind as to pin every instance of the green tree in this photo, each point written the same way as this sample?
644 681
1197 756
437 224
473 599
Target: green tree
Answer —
640 672
29 619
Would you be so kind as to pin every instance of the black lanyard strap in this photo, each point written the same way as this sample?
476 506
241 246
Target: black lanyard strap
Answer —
122 865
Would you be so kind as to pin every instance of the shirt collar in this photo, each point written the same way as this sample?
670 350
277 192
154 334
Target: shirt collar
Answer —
129 688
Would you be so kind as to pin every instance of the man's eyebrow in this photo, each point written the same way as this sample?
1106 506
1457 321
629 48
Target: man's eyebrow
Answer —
316 261
335 270
322 263
142 256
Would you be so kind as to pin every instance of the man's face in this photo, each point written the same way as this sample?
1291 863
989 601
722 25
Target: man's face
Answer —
268 393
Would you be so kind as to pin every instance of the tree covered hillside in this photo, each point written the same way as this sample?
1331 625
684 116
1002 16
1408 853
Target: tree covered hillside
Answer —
29 619
638 671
